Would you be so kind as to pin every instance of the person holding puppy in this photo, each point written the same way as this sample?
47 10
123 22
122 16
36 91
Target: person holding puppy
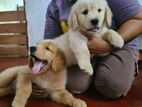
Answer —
114 73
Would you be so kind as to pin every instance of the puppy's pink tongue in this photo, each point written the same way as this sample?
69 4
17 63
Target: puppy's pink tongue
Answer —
94 29
37 67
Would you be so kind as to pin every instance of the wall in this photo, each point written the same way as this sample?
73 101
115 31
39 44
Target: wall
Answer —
35 14
140 1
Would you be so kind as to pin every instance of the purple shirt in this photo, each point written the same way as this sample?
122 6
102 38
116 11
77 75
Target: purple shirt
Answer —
59 10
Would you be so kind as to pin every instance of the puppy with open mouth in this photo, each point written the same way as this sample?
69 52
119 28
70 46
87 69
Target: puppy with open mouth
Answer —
47 69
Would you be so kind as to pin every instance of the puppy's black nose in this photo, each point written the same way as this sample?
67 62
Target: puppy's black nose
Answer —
33 49
94 22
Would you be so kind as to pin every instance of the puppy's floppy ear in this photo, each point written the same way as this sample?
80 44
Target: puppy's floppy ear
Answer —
30 62
72 20
59 62
108 16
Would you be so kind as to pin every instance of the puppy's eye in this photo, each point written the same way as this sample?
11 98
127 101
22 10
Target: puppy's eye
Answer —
99 10
47 48
85 12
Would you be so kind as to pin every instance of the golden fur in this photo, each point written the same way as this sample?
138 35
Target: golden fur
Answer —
51 77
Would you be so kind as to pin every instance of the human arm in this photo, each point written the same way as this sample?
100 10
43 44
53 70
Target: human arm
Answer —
52 25
128 30
129 27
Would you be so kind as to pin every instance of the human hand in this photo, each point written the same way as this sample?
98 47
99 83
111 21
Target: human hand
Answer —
99 46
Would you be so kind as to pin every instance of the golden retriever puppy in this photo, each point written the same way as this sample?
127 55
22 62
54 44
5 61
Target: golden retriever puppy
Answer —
87 17
47 69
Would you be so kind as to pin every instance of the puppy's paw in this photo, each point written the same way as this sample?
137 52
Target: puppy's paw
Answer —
117 41
114 38
79 103
87 68
16 104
